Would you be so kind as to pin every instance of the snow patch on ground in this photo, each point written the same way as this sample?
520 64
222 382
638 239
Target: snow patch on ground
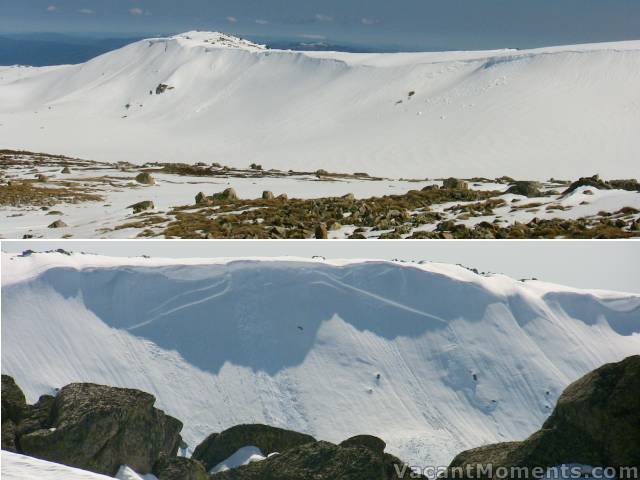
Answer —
243 456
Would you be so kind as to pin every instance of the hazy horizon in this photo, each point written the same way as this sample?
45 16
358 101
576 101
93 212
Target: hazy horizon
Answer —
407 24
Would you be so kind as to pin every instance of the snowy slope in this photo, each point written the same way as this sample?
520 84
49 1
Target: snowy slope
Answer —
559 111
462 359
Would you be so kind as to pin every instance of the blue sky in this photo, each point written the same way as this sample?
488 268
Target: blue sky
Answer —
412 24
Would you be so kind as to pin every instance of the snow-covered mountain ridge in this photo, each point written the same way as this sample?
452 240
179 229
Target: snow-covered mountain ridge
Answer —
558 111
433 358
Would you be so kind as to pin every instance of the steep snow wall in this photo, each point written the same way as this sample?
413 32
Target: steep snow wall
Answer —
561 111
432 358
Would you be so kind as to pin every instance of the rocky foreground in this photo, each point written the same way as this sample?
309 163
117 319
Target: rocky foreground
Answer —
100 428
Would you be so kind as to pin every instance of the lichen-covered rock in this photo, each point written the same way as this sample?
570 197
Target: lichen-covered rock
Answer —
220 446
145 178
348 197
142 206
375 444
455 184
321 231
179 468
8 435
267 195
14 402
226 194
593 181
321 461
99 428
595 422
36 416
526 188
58 224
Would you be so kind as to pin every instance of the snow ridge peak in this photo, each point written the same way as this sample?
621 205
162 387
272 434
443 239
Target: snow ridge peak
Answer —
216 39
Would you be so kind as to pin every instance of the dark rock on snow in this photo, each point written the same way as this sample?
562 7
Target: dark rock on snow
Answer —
145 178
455 184
142 206
220 446
179 468
374 444
99 428
526 188
321 461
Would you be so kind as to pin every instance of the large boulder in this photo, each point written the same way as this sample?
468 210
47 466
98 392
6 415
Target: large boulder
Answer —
99 428
595 422
145 178
220 446
321 461
594 181
179 468
226 194
375 444
9 435
36 416
455 184
17 416
58 224
526 188
142 206
14 402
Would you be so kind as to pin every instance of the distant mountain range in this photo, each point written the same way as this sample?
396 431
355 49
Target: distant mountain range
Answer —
43 49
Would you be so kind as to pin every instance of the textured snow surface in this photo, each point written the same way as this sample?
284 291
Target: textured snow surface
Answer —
21 467
462 359
558 111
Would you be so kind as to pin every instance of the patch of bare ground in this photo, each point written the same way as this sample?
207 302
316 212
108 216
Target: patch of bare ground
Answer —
26 193
298 218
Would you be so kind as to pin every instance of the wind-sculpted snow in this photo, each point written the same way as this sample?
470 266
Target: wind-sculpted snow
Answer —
434 359
558 112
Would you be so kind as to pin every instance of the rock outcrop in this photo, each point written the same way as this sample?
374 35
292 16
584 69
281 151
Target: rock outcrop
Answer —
220 446
179 468
455 184
322 461
58 224
99 428
375 444
595 422
142 206
145 178
526 188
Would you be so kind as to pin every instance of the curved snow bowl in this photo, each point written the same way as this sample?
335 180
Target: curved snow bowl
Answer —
432 358
557 112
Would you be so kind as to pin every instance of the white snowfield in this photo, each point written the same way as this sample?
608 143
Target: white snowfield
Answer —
432 358
21 467
557 112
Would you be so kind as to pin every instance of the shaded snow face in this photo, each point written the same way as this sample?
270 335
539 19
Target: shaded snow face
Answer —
432 360
267 318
